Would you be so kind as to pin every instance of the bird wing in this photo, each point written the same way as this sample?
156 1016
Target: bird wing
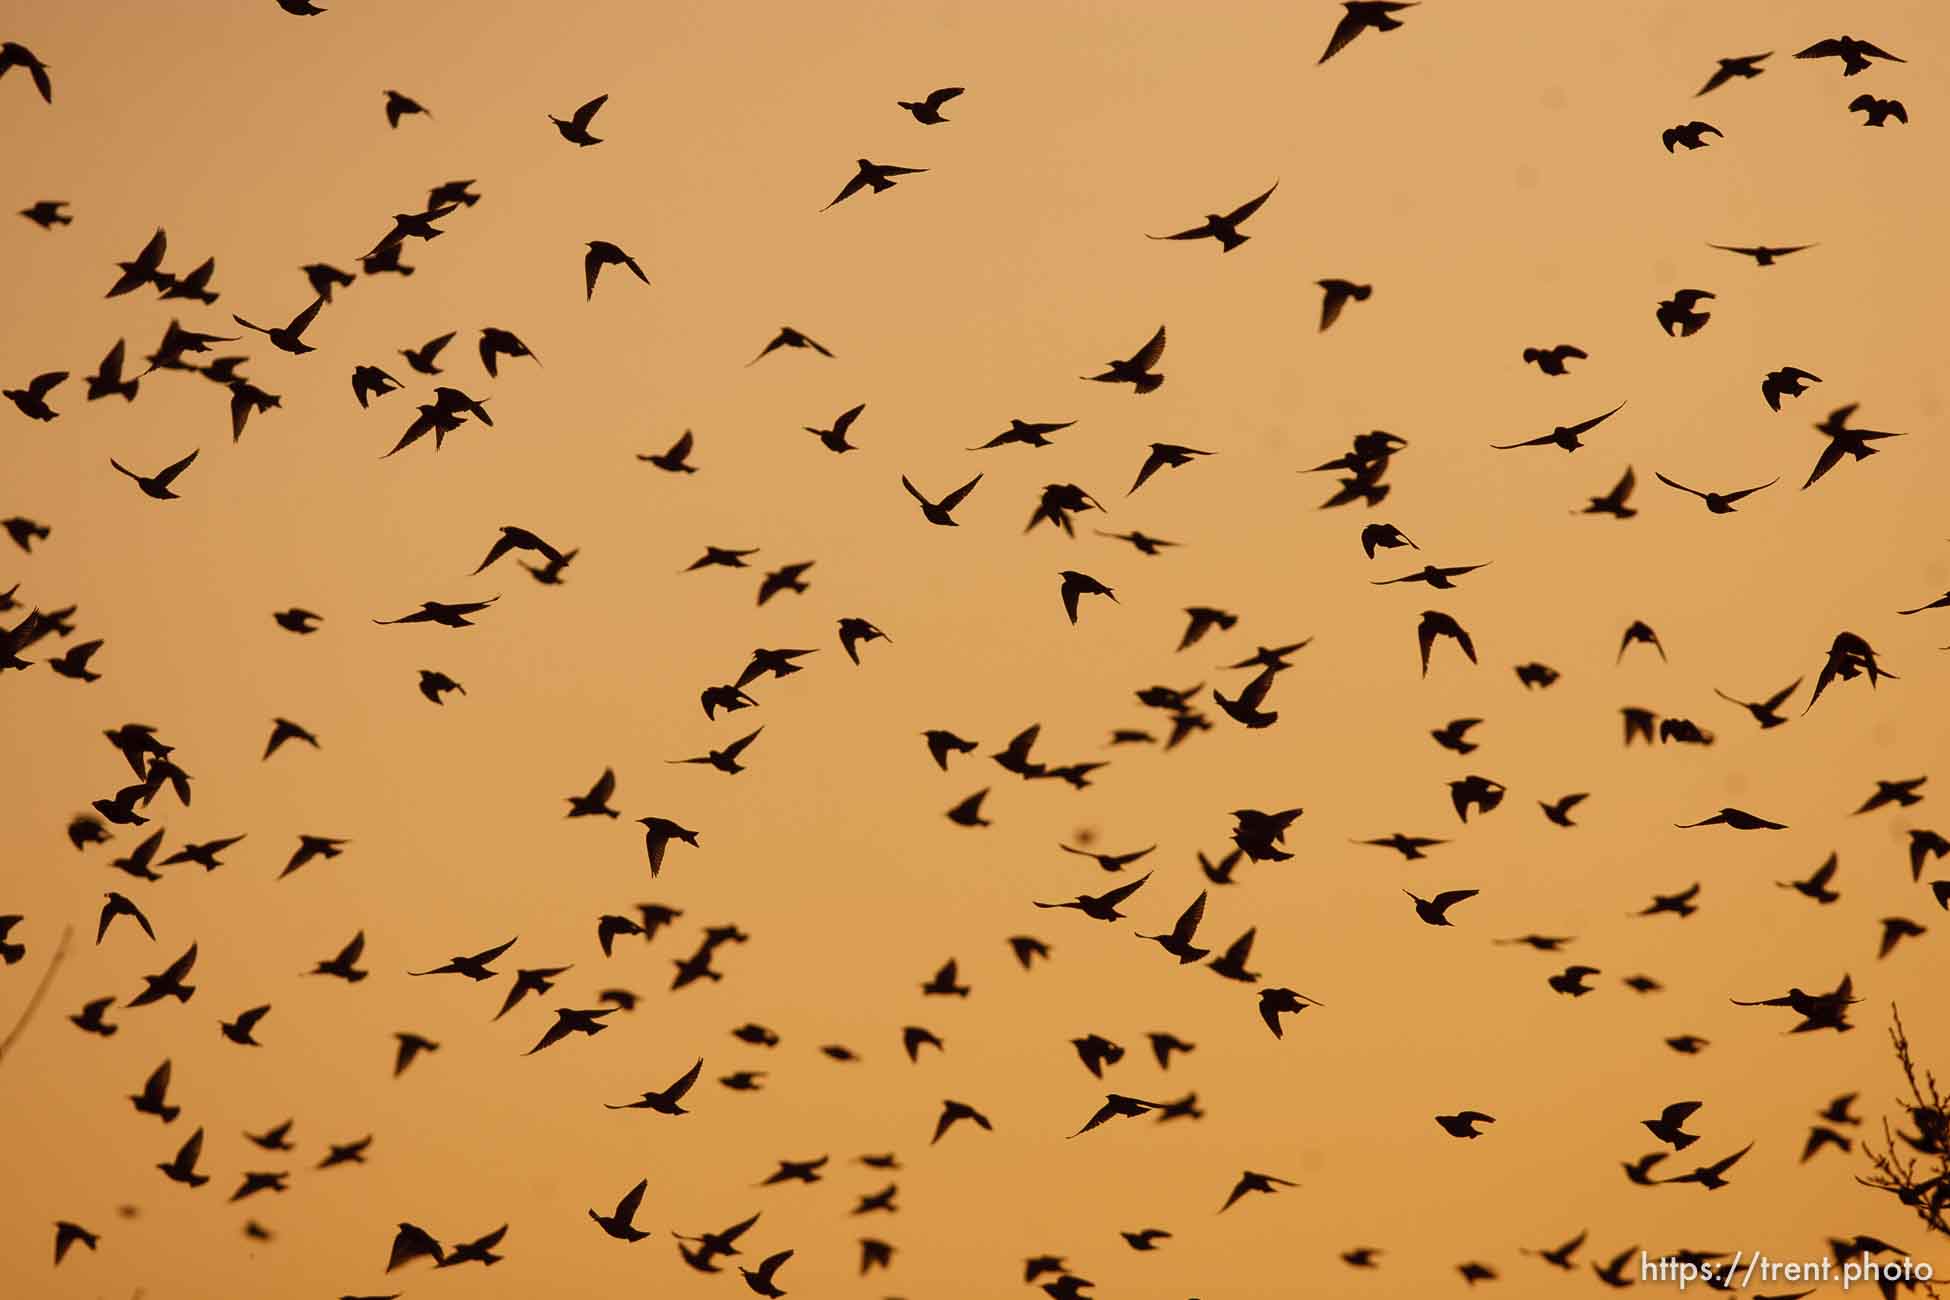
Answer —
1250 206
627 1207
942 96
737 747
915 492
1874 51
676 1091
956 497
1148 355
1542 440
585 114
302 321
1681 486
1188 921
1747 492
1122 892
168 475
1346 30
1595 420
1450 897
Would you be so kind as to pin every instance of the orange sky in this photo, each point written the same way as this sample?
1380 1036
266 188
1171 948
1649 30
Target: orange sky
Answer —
1494 170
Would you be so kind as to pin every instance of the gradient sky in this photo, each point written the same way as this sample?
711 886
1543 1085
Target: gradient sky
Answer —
1494 169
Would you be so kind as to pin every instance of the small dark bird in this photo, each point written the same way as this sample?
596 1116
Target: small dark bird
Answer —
1536 676
786 578
423 359
1855 55
1679 904
1925 845
1901 793
1103 907
107 380
1639 633
1409 846
1820 1136
1762 254
32 400
1249 1181
291 337
1687 1044
89 1019
73 662
943 743
239 1030
497 343
346 1153
1894 930
1383 537
1137 369
621 1225
1570 438
116 906
1711 1176
1745 66
1838 1110
283 730
1764 711
1224 227
914 1038
1613 502
411 1243
1816 885
1164 455
1738 820
1434 575
1463 1124
475 967
1669 1126
1720 503
1027 948
674 461
1551 360
787 337
1179 941
1877 112
309 847
760 1278
1451 735
67 1234
1337 294
1691 134
666 1102
879 177
1117 1106
1077 585
952 1112
1849 657
568 1021
943 982
1274 1003
433 684
47 214
609 928
478 1251
576 129
1147 1239
1434 911
1788 381
940 513
399 106
344 965
433 611
834 440
169 984
969 811
182 1168
1571 979
1435 623
1362 15
602 253
1676 312
725 760
153 1098
928 111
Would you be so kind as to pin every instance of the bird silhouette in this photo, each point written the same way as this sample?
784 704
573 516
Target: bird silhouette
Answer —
1692 135
1569 437
1742 67
1224 227
1719 503
1856 55
157 486
1336 295
1137 370
576 128
621 1224
1361 16
877 177
927 111
1878 112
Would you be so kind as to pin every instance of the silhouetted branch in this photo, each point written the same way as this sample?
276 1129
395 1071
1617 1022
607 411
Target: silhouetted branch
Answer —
1920 1180
40 991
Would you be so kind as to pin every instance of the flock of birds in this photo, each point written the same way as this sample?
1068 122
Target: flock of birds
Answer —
1257 835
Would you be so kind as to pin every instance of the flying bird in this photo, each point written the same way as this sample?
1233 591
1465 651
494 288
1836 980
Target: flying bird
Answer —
878 177
1137 370
1363 15
927 111
1224 227
1744 67
576 129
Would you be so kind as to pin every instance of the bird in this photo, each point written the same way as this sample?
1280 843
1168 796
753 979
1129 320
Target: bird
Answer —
513 538
284 730
1077 585
1164 455
666 1101
1147 1239
878 177
1894 930
1178 942
410 1243
1712 1176
446 615
621 1224
1337 294
182 1167
1816 885
1570 980
146 266
1639 632
424 359
1570 437
760 1279
157 486
1738 820
1900 793
1690 134
1788 381
1224 227
1551 360
576 128
1274 1003
1877 112
724 760
153 1099
1464 1124
1103 907
497 343
1744 67
1363 15
1765 711
952 1113
399 106
787 337
239 1030
1409 846
32 400
1762 254
1451 736
1435 623
1137 370
676 459
834 439
343 965
1719 503
1436 576
1856 55
475 967
47 213
602 253
289 337
1434 911
940 513
1613 502
927 111
569 1020
107 381
66 1234
168 984
1116 1106
1678 312
1670 1123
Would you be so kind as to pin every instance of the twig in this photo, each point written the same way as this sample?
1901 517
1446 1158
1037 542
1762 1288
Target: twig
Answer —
34 1003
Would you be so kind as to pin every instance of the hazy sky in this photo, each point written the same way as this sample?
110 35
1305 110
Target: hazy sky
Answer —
1493 169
